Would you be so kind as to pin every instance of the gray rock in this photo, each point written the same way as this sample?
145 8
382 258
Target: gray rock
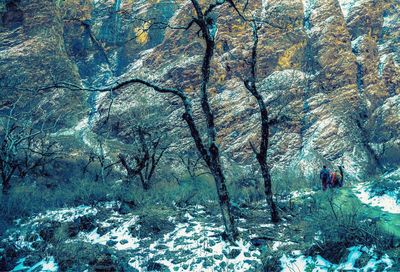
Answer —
155 266
47 230
127 207
233 253
31 260
111 243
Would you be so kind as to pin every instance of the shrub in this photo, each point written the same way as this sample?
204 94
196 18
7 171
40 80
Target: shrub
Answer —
340 225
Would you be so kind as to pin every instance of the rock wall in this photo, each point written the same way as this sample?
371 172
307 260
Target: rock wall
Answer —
330 74
33 56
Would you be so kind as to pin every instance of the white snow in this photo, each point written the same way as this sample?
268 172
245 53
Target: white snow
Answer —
197 245
300 194
391 20
278 244
264 5
299 264
283 80
387 202
348 5
302 263
20 265
48 264
355 44
382 63
311 9
62 215
202 242
83 124
118 234
355 253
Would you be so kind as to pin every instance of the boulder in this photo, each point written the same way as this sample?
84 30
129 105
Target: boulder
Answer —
126 207
111 243
151 225
105 263
48 229
155 266
233 253
87 223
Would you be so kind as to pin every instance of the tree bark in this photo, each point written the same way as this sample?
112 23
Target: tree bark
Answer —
268 192
223 196
261 155
208 28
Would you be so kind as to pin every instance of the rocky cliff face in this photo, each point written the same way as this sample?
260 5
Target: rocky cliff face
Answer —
329 70
33 56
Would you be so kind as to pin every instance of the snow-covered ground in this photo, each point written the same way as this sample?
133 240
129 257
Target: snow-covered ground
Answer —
302 263
192 243
388 202
195 241
62 215
120 234
348 6
46 265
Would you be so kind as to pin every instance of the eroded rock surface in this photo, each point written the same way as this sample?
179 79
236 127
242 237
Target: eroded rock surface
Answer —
330 74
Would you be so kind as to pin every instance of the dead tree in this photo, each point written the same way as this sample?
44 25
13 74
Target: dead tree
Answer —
262 152
98 155
193 163
24 146
210 153
150 148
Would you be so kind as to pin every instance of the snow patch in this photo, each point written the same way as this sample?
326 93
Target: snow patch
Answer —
308 6
302 263
120 235
48 264
62 215
298 264
199 247
264 5
301 194
347 6
387 202
382 63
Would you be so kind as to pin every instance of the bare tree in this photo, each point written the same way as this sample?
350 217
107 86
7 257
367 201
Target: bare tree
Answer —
262 151
25 145
193 163
98 155
210 153
143 161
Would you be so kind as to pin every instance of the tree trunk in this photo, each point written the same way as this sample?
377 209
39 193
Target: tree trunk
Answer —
261 155
144 181
268 191
223 196
6 178
6 186
342 174
208 28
